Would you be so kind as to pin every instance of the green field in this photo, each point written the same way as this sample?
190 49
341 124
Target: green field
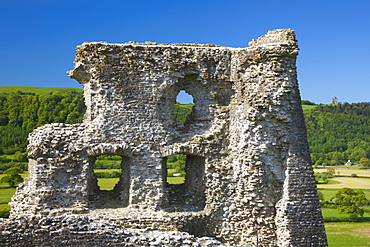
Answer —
6 193
5 196
175 180
344 178
330 212
350 171
107 183
106 170
308 107
340 182
343 233
348 234
37 90
346 171
329 193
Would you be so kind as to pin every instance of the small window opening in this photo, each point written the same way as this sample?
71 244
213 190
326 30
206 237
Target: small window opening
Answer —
107 169
109 181
176 168
184 98
184 182
183 107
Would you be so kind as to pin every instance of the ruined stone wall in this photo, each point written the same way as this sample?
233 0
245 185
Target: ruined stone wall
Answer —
84 231
248 168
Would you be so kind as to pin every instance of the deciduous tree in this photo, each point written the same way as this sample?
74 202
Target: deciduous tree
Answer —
349 202
13 178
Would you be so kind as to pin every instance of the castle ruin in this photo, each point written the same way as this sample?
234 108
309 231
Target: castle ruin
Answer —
248 169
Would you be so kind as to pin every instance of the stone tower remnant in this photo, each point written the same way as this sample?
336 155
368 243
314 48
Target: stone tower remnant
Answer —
248 169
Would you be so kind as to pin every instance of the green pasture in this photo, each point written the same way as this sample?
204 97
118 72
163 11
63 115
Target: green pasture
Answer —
106 170
339 171
6 194
350 182
5 197
175 180
349 172
331 212
348 234
107 183
329 193
37 90
308 107
354 234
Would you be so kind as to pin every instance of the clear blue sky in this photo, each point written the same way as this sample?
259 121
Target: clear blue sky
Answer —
38 37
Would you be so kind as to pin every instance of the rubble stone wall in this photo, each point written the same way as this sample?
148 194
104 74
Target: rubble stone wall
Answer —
248 167
85 231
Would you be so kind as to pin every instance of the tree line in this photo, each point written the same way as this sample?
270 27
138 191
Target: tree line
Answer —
336 133
21 113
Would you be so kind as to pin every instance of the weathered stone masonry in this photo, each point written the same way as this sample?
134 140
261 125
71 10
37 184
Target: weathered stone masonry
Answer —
248 166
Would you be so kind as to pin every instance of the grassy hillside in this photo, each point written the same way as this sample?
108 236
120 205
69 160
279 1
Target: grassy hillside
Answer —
338 133
37 90
308 107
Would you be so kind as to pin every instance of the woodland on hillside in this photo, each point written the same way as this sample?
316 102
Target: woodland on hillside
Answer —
21 113
336 133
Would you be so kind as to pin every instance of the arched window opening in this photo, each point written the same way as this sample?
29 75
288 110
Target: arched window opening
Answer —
184 98
109 181
183 107
184 182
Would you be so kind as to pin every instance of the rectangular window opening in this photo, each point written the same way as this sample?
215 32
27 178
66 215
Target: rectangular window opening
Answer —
184 182
109 181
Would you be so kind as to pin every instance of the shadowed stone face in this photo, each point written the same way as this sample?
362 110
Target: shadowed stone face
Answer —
247 169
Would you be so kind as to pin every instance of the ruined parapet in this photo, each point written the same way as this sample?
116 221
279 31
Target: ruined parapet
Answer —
248 168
